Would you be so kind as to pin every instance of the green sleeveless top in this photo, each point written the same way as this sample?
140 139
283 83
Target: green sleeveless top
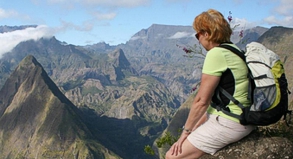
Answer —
220 62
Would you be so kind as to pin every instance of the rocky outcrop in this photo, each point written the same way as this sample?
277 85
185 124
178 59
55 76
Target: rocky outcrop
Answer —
258 145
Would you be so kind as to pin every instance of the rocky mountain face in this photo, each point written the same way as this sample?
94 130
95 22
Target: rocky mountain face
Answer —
157 52
249 35
38 121
154 52
107 88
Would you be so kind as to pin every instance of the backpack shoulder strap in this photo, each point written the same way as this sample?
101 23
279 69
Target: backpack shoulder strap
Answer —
235 101
234 50
241 54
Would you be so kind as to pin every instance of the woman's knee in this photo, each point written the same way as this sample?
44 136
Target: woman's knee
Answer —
191 152
168 155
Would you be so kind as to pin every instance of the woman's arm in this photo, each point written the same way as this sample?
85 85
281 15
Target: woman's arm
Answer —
197 110
201 100
201 121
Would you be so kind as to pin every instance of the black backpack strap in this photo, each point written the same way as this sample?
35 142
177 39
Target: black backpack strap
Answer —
224 92
228 95
235 101
241 54
234 50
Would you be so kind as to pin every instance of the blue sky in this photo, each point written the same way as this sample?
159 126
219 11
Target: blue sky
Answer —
83 22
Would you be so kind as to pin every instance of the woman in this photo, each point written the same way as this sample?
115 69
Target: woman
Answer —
207 130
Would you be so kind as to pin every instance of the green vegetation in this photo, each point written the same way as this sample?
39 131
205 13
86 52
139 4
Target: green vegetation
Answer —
148 150
166 139
72 84
90 90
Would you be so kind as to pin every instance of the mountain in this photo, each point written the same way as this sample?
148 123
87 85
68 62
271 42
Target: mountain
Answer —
157 52
6 28
249 35
38 121
107 88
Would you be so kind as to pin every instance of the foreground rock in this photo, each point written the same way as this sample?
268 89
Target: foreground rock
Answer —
257 146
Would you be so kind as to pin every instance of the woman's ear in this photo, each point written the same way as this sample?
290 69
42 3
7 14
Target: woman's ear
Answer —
206 34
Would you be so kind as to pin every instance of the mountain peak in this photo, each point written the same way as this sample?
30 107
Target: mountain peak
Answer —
119 58
275 34
28 60
36 119
120 64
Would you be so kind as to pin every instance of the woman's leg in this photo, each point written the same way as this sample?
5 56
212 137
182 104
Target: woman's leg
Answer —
214 134
188 152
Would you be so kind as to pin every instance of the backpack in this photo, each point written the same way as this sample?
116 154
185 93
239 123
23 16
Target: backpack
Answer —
267 90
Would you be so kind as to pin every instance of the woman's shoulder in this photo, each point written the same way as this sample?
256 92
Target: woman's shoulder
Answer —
223 51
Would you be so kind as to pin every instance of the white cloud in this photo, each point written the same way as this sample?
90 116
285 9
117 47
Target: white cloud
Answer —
103 3
138 37
104 16
179 35
283 14
86 26
7 13
98 9
9 40
286 21
10 14
241 24
120 3
285 8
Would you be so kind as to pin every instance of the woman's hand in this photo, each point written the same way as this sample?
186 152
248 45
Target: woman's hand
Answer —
176 148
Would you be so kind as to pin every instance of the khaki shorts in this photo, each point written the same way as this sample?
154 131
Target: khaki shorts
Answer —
216 133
